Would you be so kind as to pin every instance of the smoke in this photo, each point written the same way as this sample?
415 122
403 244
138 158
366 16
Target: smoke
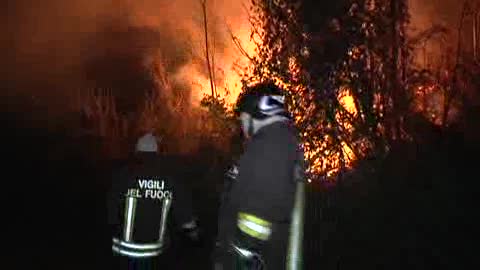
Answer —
426 14
60 46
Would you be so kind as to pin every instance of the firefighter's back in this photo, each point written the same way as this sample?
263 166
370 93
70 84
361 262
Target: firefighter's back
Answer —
149 188
140 203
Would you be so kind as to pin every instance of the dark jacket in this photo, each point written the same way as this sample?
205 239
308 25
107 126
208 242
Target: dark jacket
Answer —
265 184
150 179
264 187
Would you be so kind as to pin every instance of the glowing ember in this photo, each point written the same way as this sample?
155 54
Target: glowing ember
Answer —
429 100
322 159
347 101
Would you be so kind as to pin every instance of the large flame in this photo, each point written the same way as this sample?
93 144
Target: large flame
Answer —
225 22
70 37
227 65
229 29
234 28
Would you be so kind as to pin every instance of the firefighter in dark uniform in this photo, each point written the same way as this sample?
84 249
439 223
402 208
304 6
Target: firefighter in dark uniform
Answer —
142 199
260 226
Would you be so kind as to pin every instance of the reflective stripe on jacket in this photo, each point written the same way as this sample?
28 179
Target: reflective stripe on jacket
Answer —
136 250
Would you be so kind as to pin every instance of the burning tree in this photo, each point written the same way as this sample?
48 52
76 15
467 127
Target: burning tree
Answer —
344 73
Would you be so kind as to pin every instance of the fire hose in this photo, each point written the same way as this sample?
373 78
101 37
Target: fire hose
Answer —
295 244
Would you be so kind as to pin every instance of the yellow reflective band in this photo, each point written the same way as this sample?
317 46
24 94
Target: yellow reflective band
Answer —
254 226
254 219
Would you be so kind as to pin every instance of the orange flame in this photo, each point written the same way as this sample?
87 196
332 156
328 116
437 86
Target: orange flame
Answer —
225 61
329 161
186 17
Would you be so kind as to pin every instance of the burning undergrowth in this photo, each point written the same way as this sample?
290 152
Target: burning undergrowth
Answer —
166 108
118 68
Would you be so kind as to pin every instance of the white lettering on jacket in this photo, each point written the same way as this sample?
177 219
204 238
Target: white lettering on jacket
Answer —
150 189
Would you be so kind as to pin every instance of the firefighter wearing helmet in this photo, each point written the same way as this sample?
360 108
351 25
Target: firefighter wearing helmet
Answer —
262 229
144 198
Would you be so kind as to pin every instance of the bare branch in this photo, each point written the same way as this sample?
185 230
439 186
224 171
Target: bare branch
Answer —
207 49
238 44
